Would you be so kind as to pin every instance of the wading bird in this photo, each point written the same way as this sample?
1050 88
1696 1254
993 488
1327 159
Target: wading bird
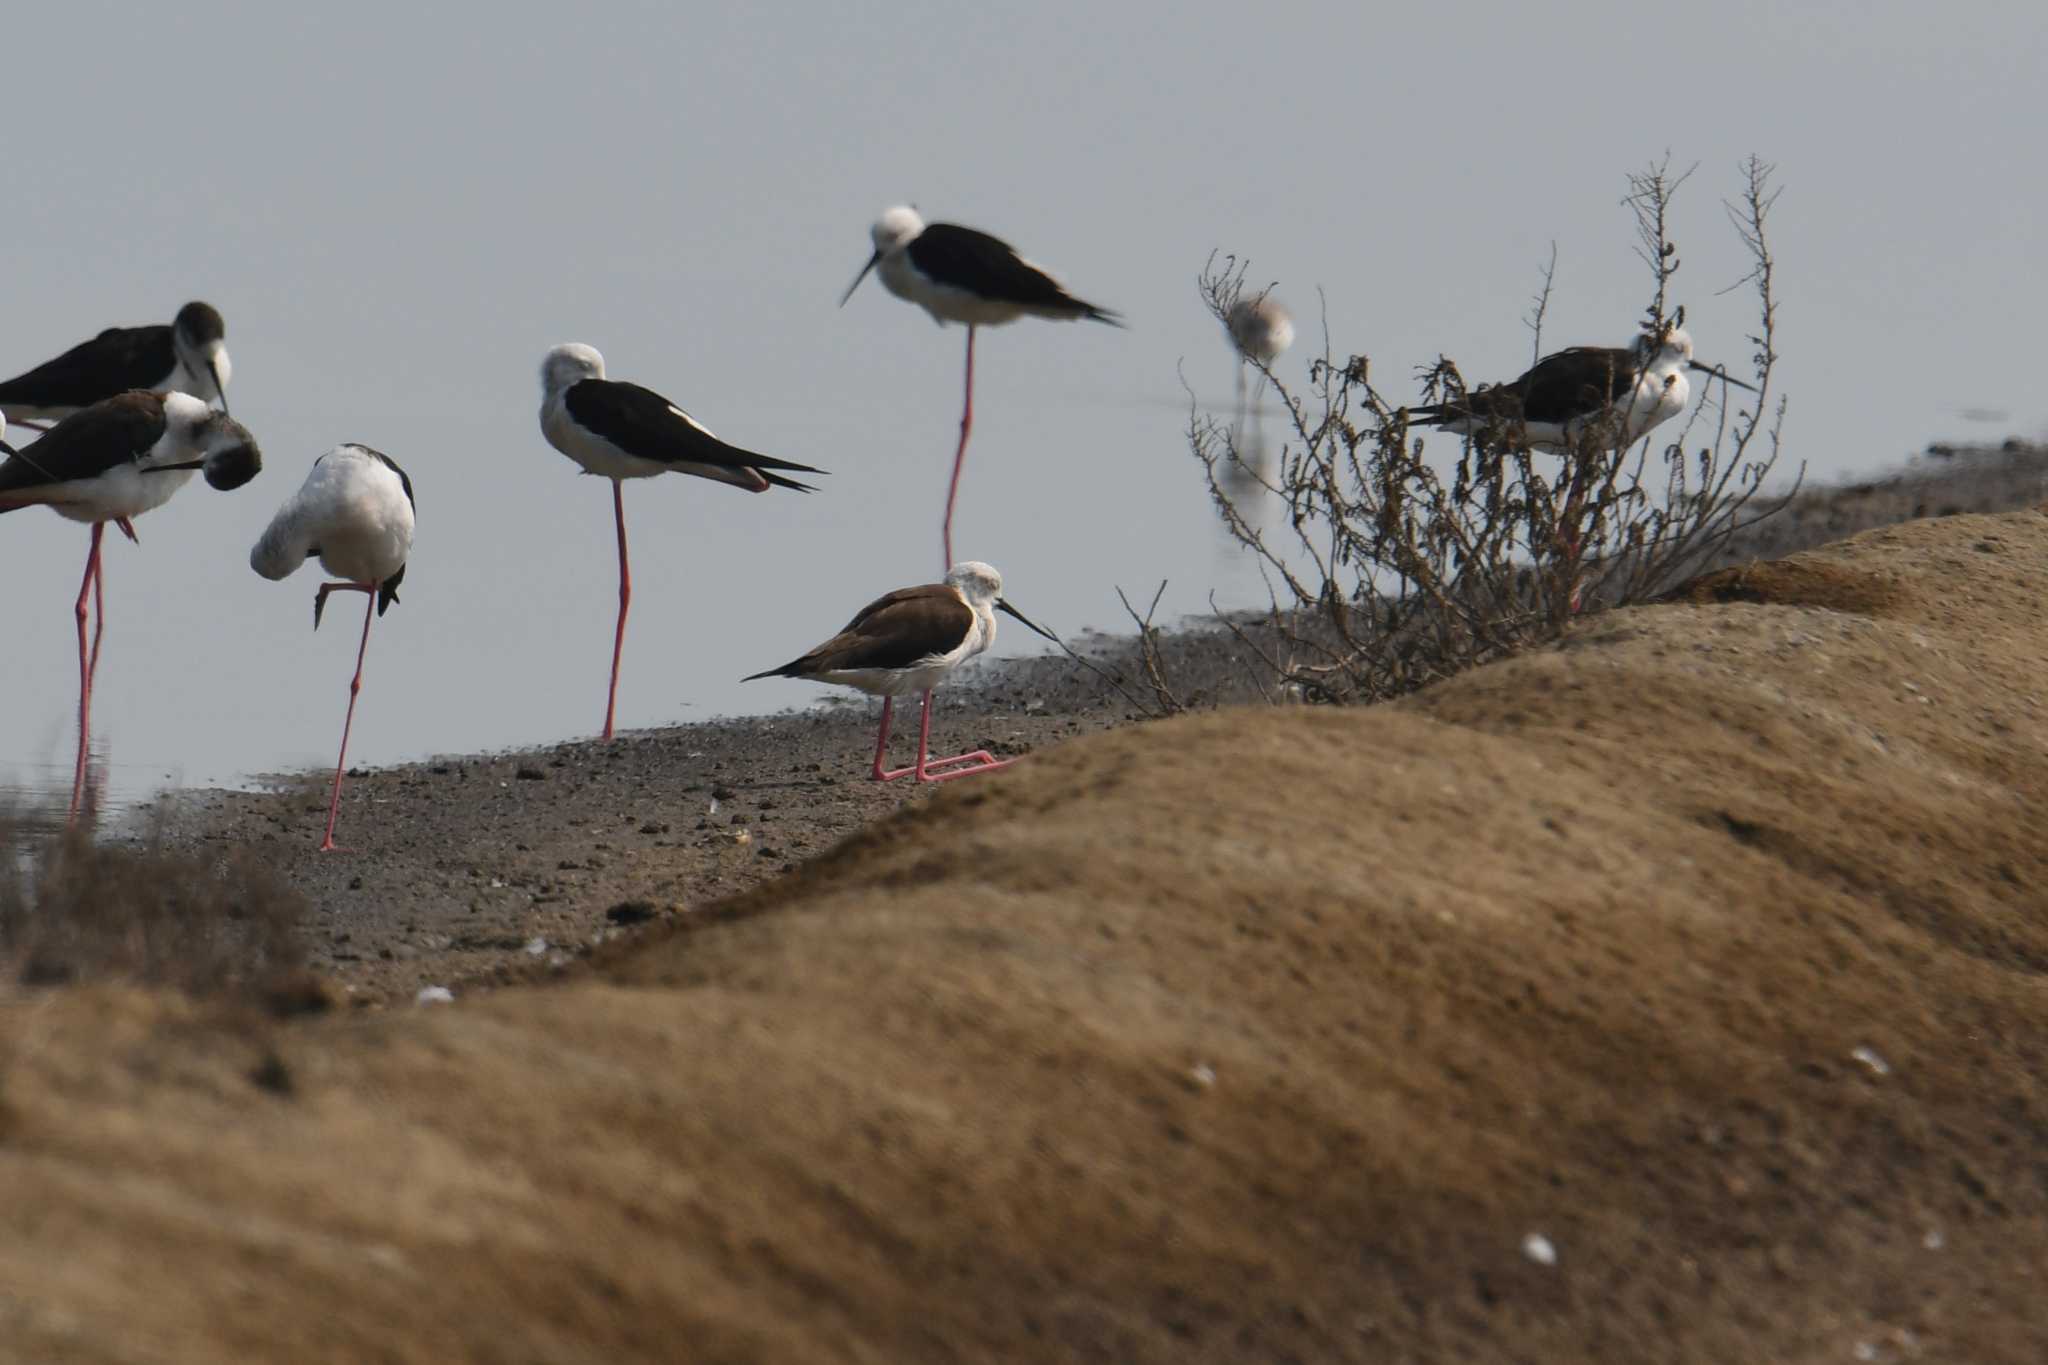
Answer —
911 641
354 514
188 355
1617 392
113 461
960 275
623 431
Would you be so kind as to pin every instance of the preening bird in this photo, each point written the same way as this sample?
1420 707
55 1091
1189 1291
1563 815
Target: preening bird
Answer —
187 355
110 462
354 514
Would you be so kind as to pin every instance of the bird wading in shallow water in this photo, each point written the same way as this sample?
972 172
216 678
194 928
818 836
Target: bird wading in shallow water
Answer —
911 640
110 462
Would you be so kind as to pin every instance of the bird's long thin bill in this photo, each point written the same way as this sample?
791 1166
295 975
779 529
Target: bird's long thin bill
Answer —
872 261
213 368
1008 610
173 468
1724 376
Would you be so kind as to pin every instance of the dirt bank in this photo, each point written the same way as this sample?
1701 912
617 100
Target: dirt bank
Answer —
1674 994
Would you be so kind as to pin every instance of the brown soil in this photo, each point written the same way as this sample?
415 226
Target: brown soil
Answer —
467 871
1707 947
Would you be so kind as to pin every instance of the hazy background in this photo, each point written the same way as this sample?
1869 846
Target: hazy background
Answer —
400 207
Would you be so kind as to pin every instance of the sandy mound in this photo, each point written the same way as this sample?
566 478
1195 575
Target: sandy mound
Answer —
1706 949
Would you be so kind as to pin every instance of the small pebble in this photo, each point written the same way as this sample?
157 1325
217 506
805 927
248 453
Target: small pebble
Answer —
434 995
1537 1248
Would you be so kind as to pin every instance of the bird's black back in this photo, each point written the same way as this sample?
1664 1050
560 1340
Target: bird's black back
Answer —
980 264
641 422
118 359
88 443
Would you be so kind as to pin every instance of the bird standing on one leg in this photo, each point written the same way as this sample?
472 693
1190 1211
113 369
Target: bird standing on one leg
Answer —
624 431
911 641
355 514
958 274
188 355
113 461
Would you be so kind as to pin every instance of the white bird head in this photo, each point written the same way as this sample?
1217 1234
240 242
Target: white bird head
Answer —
1668 346
570 363
982 586
979 583
1671 349
199 336
897 228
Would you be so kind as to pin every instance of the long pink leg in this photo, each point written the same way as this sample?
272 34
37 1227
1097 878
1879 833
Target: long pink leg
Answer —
924 739
355 686
625 599
960 455
981 760
99 613
881 774
85 665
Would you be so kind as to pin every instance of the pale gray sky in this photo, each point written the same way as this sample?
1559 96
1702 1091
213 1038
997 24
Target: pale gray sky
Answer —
400 207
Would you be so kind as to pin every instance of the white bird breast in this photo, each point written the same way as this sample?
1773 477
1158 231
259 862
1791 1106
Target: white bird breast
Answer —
945 302
593 452
353 508
126 490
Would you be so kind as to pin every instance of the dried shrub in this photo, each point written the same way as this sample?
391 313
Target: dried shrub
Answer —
1388 569
75 909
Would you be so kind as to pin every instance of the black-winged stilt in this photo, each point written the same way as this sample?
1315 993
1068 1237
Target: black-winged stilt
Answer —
958 274
355 514
113 461
908 641
1260 330
1617 392
188 355
623 431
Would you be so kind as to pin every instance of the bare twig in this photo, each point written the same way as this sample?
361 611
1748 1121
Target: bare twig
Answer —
1387 569
1539 307
1148 651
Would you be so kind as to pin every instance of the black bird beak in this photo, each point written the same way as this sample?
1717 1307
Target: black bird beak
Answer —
1723 376
1006 609
213 368
873 261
